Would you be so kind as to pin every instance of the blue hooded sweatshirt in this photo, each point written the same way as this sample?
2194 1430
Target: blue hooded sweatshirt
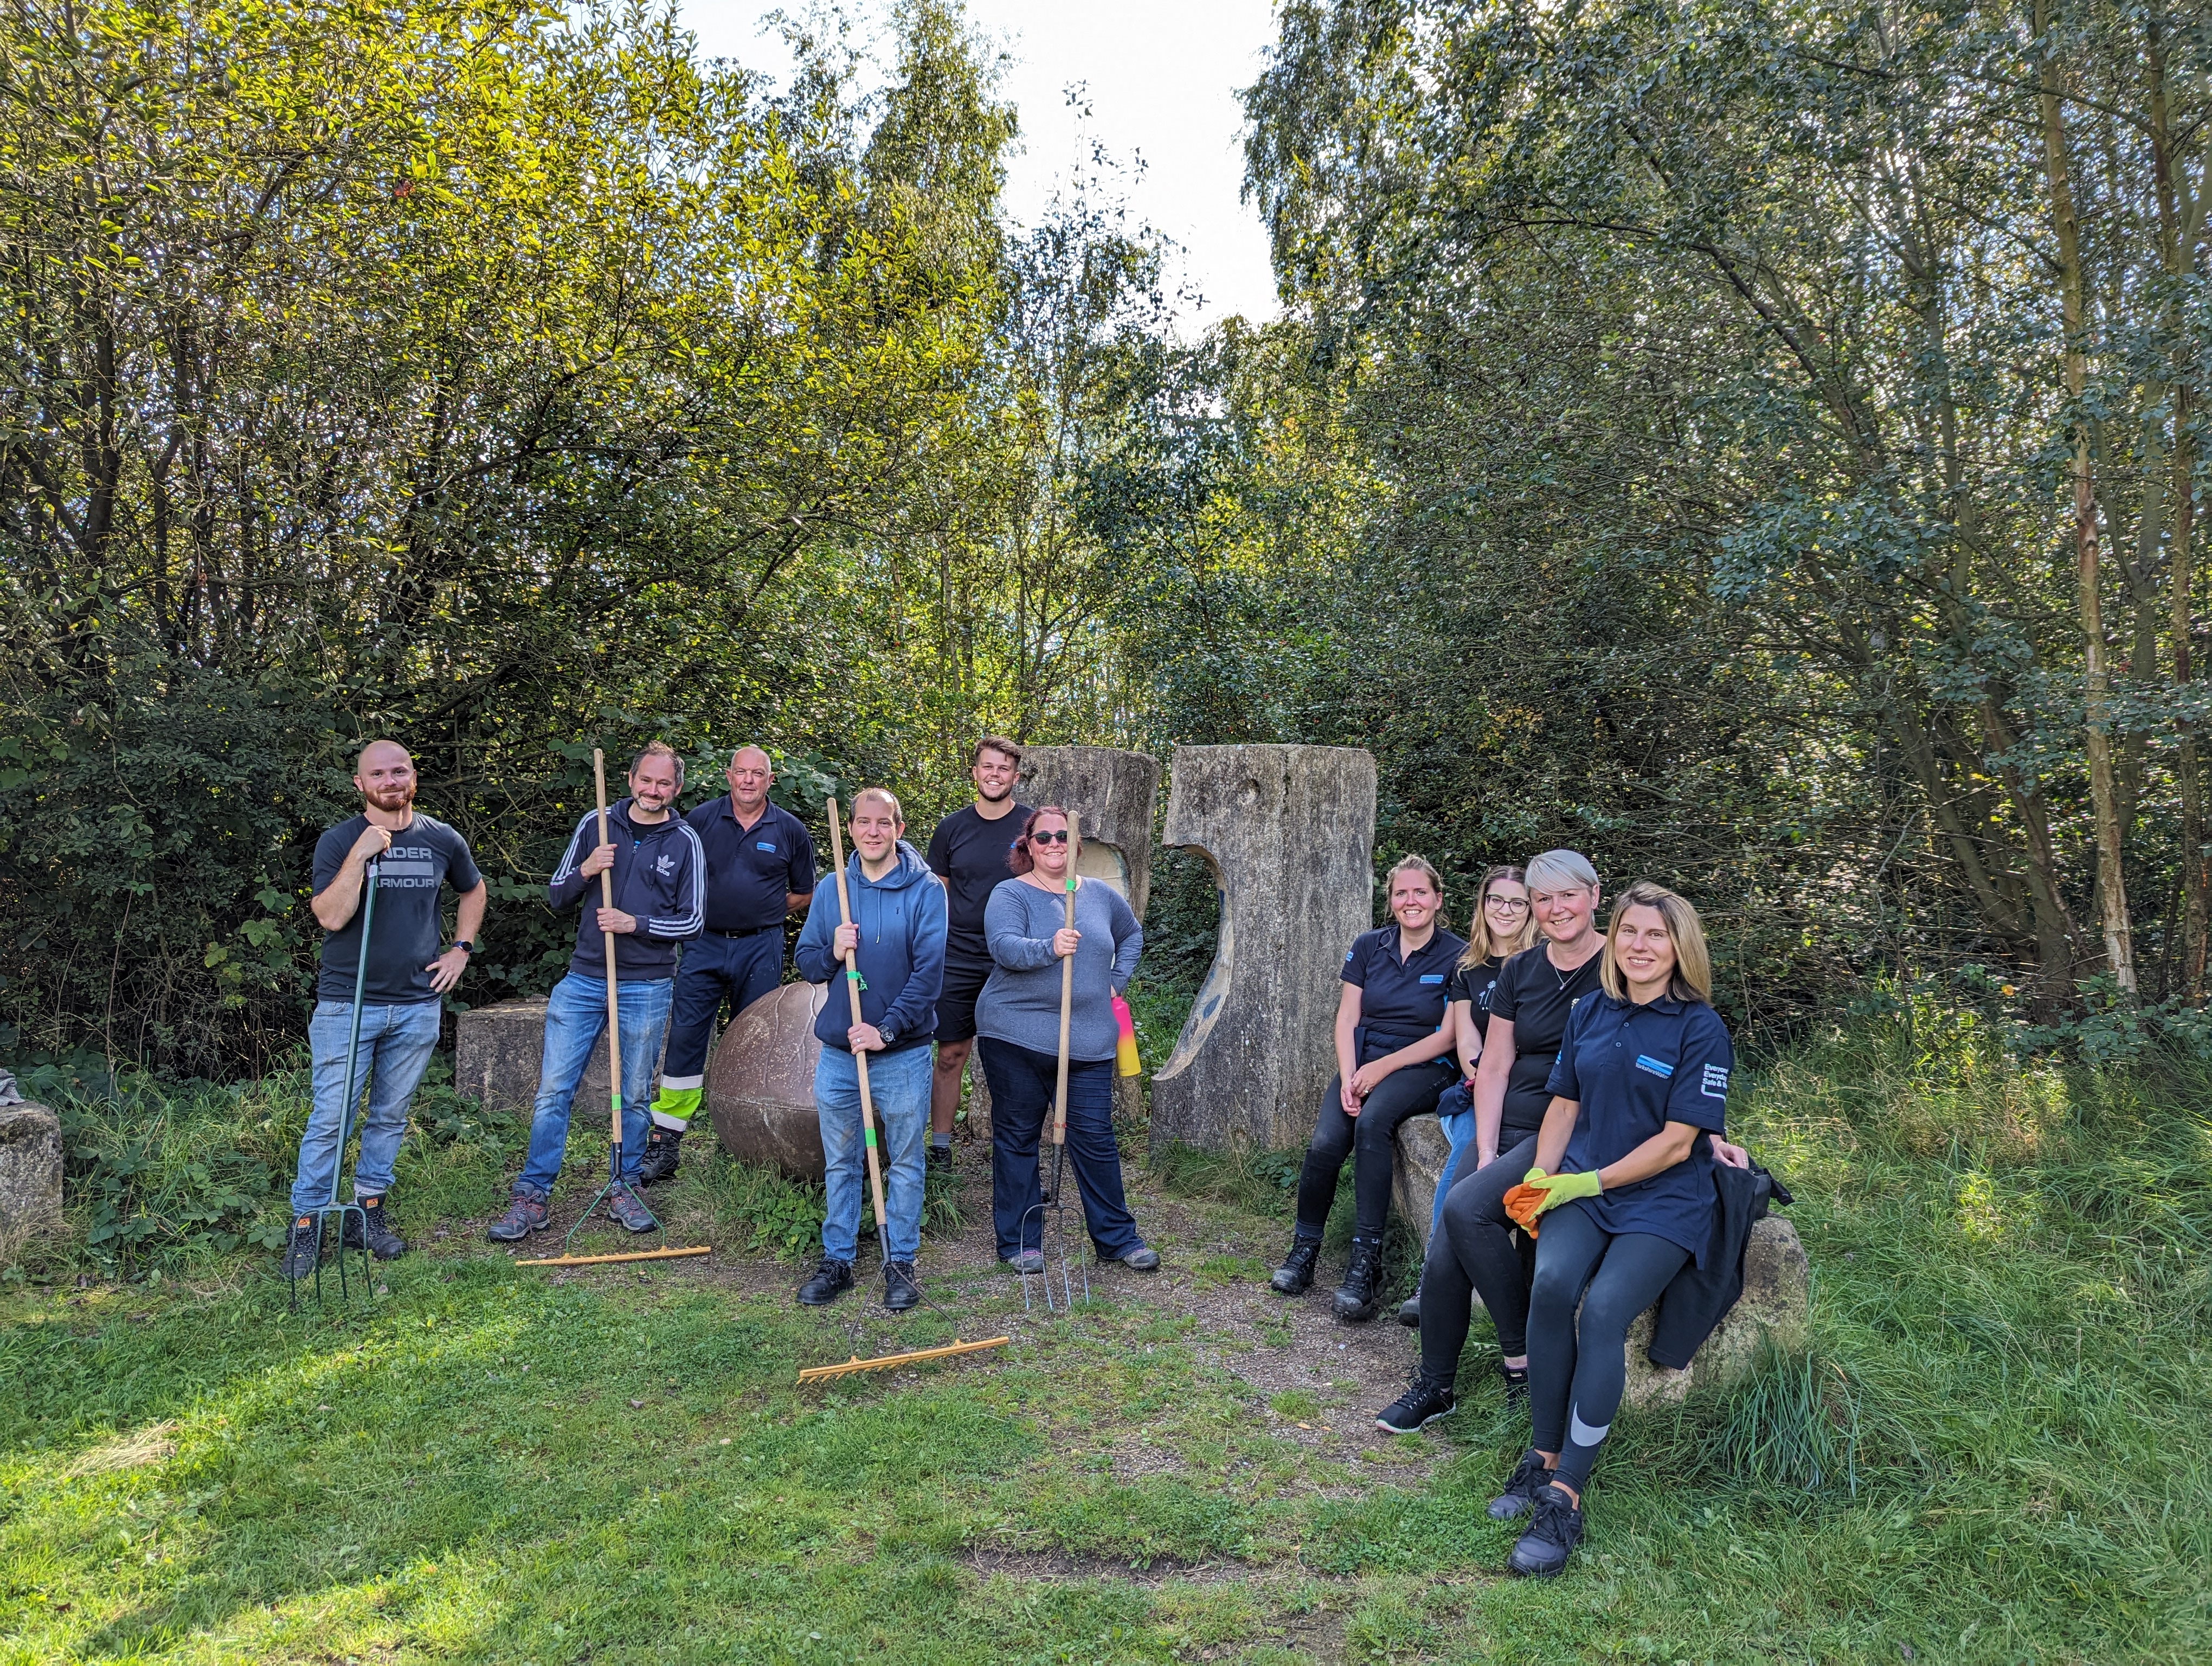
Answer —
901 955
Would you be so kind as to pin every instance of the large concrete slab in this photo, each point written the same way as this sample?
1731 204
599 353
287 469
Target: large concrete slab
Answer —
498 1051
1290 833
760 1083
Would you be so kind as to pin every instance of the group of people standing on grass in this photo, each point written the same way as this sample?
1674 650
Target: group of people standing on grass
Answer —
1580 1075
955 951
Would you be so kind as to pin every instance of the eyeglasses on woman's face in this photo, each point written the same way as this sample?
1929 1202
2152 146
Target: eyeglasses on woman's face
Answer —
1507 904
1057 836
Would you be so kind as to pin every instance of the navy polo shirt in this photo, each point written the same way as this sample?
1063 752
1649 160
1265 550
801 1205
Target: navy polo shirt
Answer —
749 869
1401 999
1632 1070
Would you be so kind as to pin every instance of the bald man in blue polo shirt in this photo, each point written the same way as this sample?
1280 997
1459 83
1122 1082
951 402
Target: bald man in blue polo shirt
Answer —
760 868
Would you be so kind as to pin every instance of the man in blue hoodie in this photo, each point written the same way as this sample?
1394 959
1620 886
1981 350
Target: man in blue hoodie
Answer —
660 901
897 934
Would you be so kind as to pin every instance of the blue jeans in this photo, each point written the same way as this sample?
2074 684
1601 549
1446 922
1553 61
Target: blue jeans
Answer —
1022 1084
575 1017
395 1046
898 1089
1455 1116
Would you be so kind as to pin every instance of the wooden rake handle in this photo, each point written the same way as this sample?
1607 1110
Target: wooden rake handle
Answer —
859 1059
614 1003
1066 992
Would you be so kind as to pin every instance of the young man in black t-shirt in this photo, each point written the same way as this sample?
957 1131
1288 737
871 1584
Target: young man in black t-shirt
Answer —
407 974
969 851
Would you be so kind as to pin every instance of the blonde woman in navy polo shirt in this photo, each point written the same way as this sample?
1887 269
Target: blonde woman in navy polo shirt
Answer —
1625 1163
1392 1039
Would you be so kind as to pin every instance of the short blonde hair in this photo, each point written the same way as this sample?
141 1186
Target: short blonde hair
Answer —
1561 870
1692 976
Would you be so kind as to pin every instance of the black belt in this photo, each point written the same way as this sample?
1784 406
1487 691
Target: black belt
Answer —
743 931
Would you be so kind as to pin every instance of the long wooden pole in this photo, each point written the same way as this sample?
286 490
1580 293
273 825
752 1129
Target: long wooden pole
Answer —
614 1004
633 1254
822 1373
859 1059
1066 995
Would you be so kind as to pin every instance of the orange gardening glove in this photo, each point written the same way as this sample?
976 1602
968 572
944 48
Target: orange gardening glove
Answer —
1523 1203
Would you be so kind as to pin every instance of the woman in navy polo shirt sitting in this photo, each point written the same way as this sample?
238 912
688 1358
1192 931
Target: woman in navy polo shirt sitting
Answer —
1626 1171
1393 1042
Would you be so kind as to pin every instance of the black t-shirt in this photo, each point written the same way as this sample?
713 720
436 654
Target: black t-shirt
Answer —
1400 1001
970 854
1536 998
1475 985
750 870
404 937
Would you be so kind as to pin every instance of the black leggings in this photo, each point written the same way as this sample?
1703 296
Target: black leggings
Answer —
1577 1363
1411 1092
1477 1249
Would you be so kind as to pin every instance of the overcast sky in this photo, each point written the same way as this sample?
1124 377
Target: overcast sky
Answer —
1160 78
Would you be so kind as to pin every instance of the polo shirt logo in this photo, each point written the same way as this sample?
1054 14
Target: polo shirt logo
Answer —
1432 977
1715 1083
1658 1067
765 844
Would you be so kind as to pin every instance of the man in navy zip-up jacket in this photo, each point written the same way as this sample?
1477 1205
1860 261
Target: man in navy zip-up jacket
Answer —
897 935
658 879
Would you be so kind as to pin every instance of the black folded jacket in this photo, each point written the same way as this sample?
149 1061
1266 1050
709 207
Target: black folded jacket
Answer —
1698 1299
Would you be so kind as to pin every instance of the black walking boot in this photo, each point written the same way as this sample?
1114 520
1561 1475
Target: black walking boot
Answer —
1530 1478
831 1280
660 1161
1363 1281
303 1248
901 1287
384 1243
1295 1275
1409 1311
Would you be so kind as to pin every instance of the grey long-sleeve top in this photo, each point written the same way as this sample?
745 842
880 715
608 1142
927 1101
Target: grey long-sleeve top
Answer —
1021 1002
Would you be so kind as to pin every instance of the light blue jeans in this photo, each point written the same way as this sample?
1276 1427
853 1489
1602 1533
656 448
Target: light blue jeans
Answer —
575 1018
1455 1116
898 1088
395 1047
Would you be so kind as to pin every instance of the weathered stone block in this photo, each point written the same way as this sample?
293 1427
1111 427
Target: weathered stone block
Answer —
30 1172
499 1051
1289 833
759 1085
1776 1281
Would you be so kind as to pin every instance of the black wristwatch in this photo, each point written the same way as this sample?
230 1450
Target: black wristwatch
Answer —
465 945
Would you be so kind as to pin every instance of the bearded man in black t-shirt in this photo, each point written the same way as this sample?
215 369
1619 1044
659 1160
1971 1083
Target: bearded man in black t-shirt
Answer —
401 991
968 852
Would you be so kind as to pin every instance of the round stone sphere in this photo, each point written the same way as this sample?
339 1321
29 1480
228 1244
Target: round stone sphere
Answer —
760 1087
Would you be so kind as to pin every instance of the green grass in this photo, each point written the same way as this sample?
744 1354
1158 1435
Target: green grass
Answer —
1991 1449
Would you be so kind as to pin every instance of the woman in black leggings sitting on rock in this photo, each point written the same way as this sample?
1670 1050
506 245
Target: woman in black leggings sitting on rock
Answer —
1393 1042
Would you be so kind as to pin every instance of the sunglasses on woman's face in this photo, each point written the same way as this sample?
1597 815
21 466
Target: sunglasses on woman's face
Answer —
1058 836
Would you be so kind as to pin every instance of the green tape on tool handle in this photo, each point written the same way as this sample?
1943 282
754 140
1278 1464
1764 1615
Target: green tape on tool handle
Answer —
614 1101
869 1133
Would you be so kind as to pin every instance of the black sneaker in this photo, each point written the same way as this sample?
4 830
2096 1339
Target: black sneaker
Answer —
629 1209
940 1157
1529 1477
1425 1399
525 1214
902 1286
831 1280
658 1163
1555 1530
1516 1378
1409 1311
384 1243
303 1248
1295 1275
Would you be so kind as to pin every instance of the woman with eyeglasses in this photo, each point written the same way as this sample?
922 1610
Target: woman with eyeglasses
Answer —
1500 929
1394 1036
1017 1041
